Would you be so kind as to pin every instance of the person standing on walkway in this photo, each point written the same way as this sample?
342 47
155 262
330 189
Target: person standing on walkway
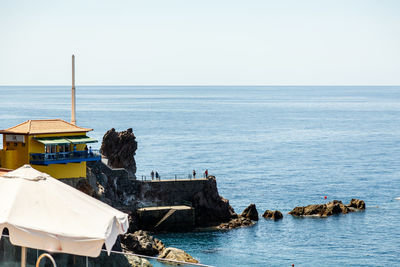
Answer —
194 174
157 176
152 175
206 173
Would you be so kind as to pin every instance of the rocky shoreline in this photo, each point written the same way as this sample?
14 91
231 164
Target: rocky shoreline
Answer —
140 242
114 183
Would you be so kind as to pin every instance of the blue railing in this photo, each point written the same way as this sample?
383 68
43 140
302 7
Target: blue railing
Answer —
64 157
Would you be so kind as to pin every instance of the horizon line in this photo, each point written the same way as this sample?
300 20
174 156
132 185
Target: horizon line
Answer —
205 85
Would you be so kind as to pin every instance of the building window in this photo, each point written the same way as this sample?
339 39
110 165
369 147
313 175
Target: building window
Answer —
64 148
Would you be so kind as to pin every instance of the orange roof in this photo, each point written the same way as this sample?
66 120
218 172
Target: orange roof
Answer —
44 127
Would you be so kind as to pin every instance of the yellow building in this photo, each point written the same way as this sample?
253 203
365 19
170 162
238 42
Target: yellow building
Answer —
55 147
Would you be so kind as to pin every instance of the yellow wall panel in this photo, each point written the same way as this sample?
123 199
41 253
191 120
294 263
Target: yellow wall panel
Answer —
69 170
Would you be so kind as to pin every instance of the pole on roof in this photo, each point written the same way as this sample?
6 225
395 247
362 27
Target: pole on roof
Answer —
73 119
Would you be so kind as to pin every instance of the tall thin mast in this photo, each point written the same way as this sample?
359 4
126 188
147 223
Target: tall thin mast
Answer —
73 119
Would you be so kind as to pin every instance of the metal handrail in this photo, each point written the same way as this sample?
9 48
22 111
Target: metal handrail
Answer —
48 256
160 259
126 253
173 176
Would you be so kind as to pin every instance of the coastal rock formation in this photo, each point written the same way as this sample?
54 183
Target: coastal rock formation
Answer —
236 223
334 207
357 204
247 218
141 243
120 148
250 212
328 209
211 208
273 215
113 185
177 255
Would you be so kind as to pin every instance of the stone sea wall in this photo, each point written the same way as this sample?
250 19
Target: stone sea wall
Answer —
116 188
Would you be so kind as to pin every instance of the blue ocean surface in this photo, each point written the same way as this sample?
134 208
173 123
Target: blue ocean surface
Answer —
277 147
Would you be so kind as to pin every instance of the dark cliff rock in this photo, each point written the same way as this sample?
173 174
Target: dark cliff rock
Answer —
273 214
211 209
115 188
328 209
120 148
112 186
250 212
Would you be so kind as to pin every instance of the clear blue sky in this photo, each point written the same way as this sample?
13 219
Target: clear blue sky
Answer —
204 42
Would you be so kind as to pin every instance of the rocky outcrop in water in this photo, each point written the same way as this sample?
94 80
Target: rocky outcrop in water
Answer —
177 255
115 188
236 223
247 218
273 215
113 185
211 208
250 212
120 148
141 243
357 204
328 209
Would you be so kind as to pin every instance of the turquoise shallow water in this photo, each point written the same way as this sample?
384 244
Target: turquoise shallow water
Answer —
277 147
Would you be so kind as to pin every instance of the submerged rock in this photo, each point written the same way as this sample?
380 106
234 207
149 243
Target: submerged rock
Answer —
120 148
177 255
273 214
250 212
328 209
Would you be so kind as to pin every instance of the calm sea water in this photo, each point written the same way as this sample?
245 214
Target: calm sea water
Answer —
277 147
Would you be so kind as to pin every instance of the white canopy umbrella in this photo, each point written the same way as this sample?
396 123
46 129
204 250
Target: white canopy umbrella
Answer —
43 213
